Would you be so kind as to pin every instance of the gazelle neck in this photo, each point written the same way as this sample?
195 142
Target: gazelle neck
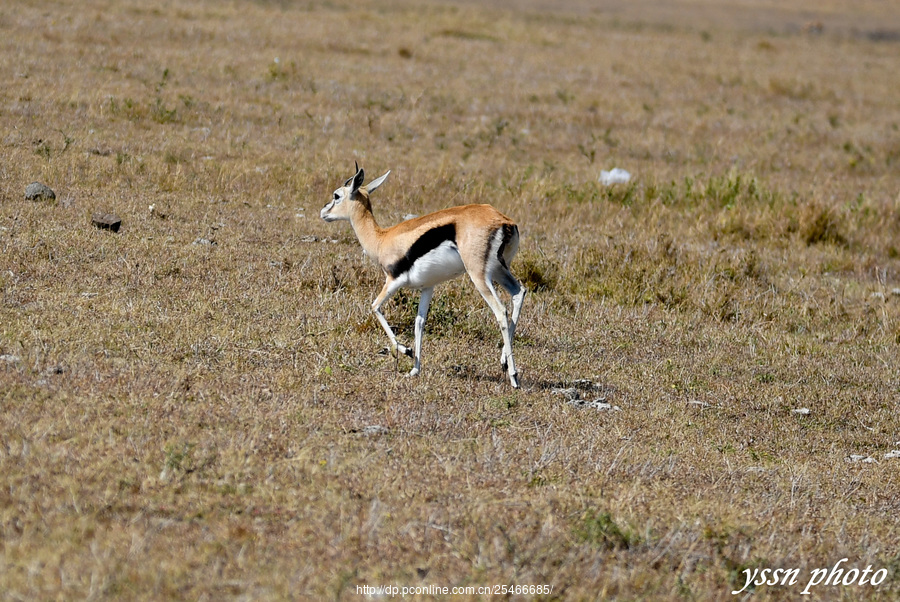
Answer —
366 228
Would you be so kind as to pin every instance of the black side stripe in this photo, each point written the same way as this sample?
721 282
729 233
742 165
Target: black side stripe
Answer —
426 243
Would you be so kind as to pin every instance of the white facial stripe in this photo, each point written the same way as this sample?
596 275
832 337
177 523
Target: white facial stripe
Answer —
337 197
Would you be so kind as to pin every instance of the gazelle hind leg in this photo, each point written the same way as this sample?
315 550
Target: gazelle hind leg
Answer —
517 292
487 290
424 302
505 245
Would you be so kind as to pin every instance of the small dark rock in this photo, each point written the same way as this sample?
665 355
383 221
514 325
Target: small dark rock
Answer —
39 192
106 221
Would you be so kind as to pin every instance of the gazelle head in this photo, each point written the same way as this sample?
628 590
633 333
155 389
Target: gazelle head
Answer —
352 192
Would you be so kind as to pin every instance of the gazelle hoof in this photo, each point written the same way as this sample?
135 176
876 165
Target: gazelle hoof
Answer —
396 351
413 372
514 380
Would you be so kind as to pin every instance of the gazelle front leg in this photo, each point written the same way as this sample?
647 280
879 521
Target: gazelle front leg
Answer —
387 291
424 302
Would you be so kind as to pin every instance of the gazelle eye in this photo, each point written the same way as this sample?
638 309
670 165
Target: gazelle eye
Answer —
336 196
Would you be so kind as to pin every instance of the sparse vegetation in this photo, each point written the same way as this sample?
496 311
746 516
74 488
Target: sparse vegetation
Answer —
598 529
198 407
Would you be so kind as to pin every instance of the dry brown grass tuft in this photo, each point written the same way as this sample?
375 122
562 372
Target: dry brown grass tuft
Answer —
197 406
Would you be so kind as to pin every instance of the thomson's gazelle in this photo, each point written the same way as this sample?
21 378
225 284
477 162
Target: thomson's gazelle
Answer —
425 251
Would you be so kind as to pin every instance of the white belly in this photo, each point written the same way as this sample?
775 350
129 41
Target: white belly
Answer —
438 265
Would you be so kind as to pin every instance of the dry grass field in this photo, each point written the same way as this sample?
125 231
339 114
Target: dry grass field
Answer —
198 407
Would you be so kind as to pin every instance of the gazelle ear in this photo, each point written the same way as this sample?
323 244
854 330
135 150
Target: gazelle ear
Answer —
371 186
356 181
